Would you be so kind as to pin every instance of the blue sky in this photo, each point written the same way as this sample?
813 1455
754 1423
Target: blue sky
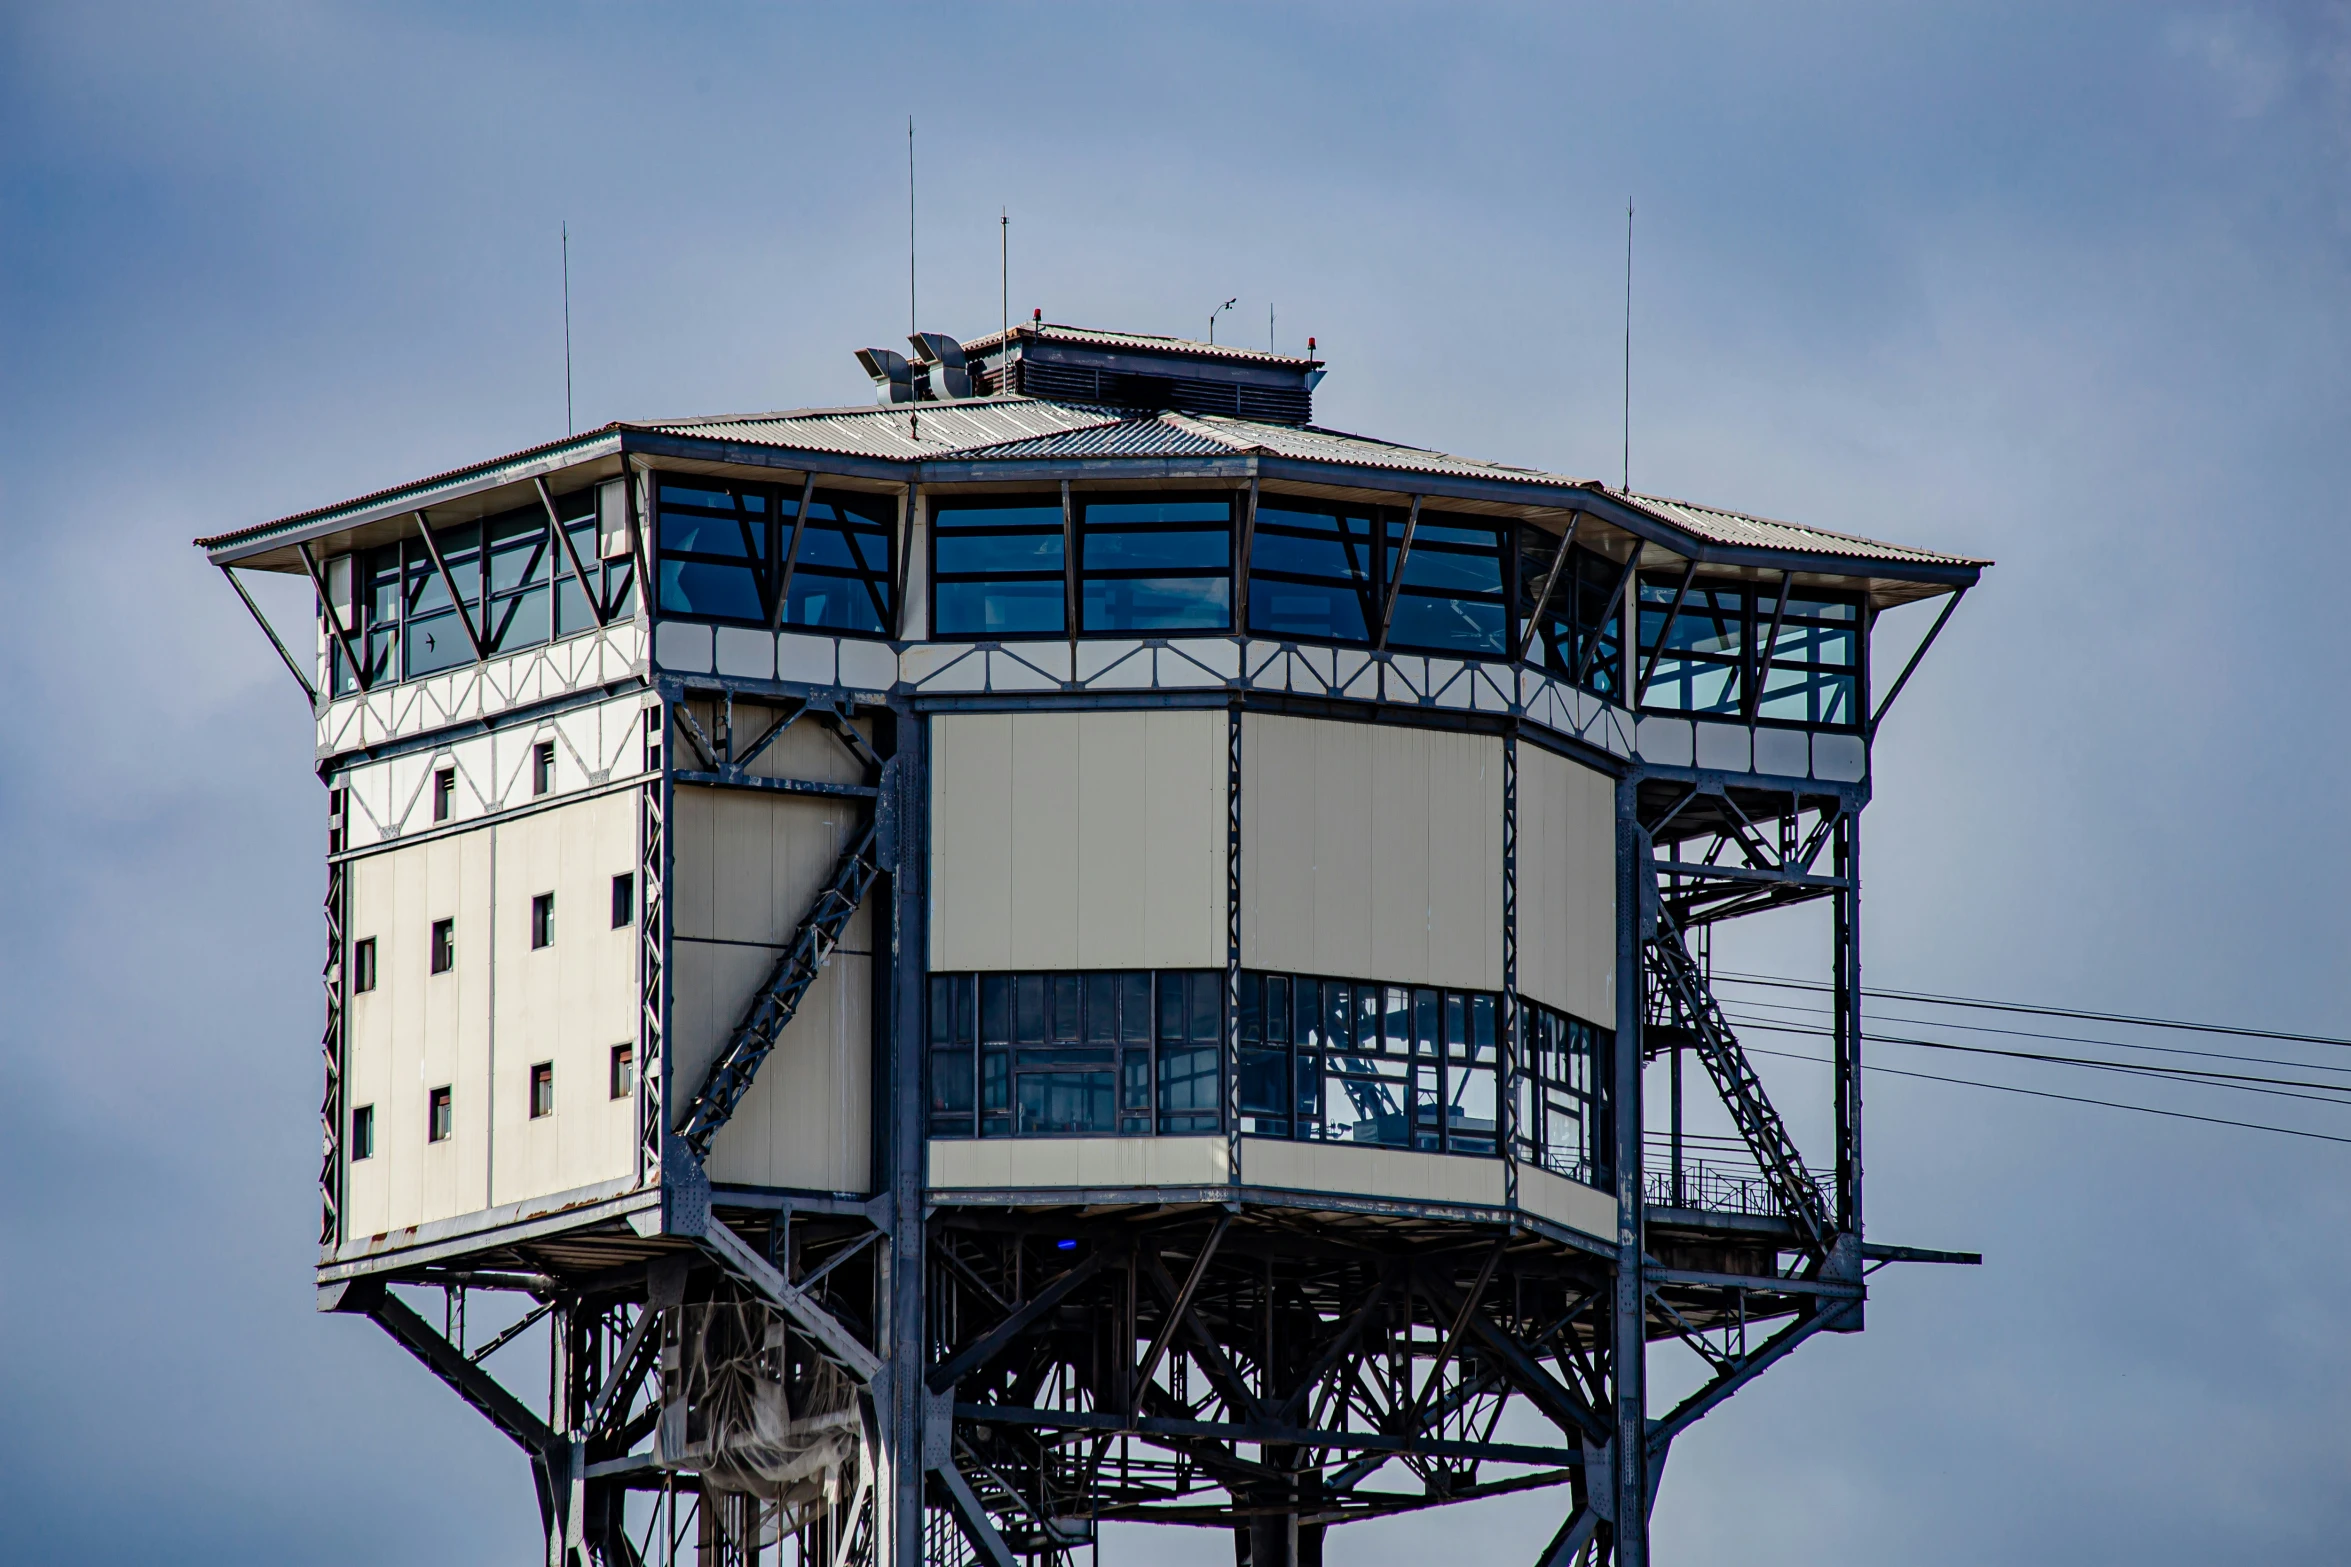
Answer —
2062 285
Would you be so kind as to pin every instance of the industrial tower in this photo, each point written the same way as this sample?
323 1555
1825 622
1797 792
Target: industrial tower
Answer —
1071 947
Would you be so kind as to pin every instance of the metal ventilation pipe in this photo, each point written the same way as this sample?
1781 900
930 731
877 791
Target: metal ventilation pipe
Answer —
893 377
942 357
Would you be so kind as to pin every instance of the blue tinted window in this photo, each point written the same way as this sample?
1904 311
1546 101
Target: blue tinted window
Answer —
997 569
1310 575
1449 594
839 569
1163 564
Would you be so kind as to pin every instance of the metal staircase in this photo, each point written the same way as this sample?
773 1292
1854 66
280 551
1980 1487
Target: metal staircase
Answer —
1675 974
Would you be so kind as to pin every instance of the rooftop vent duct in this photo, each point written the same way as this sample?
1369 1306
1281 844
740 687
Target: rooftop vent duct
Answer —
893 377
942 357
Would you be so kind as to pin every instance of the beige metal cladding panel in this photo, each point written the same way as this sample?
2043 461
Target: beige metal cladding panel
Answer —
417 1031
1371 850
566 1004
805 1122
1077 840
747 868
971 842
1567 885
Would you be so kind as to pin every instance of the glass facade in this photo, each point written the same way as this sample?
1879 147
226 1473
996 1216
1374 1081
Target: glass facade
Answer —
1141 1053
1709 655
997 568
728 551
410 625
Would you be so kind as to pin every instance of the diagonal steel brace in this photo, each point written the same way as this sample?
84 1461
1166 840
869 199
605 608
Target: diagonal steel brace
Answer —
772 1009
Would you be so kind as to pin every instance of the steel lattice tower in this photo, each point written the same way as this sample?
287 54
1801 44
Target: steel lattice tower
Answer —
1071 947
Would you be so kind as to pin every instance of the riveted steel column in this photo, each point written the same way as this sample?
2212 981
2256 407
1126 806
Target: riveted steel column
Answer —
1232 944
901 1408
1506 1112
1628 1450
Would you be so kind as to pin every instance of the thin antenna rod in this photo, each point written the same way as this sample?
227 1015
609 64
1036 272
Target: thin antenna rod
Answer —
913 413
567 424
1004 288
1269 348
1628 347
911 325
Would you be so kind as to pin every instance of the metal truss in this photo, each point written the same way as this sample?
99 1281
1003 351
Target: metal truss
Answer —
330 1109
819 931
1110 1368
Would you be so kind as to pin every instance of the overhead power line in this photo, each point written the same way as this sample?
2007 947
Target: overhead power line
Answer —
2070 1039
2278 1087
1981 1004
2079 1099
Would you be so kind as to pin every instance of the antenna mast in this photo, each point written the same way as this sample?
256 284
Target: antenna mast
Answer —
1004 290
1628 346
567 423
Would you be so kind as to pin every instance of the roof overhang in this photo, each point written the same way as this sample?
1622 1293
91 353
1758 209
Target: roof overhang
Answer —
567 465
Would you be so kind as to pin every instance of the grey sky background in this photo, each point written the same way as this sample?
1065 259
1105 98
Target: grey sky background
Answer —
2060 285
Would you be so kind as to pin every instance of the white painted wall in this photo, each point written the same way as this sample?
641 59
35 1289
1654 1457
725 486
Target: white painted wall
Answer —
747 868
478 1028
1078 840
1371 851
1567 885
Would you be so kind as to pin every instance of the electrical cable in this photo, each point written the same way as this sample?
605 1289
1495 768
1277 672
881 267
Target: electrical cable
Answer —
1980 1004
2041 1093
2071 1039
2243 1083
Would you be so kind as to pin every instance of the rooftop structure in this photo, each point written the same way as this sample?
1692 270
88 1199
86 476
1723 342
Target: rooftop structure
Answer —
1070 946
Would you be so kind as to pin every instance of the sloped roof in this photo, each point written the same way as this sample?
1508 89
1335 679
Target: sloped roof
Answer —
1014 428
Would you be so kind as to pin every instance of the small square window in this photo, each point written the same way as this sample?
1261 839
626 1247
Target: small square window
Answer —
624 900
436 1123
543 920
444 946
363 964
363 1132
543 767
444 793
624 1071
542 1090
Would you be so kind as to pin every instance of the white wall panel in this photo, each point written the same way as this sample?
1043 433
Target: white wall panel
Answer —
1567 885
747 868
1077 840
1371 851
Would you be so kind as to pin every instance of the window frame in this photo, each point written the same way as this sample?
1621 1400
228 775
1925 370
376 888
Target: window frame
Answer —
542 921
1026 500
624 900
396 587
363 1132
442 953
542 768
776 555
363 965
541 1104
440 1115
1084 528
620 1079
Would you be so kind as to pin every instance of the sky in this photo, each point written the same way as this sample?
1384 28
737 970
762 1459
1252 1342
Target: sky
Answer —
2059 285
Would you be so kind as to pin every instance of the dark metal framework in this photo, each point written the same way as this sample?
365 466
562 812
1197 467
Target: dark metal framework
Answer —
1266 1363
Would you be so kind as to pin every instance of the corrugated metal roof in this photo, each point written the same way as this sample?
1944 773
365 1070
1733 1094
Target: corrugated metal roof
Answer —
1013 428
1738 529
1008 428
1160 437
903 432
1087 337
